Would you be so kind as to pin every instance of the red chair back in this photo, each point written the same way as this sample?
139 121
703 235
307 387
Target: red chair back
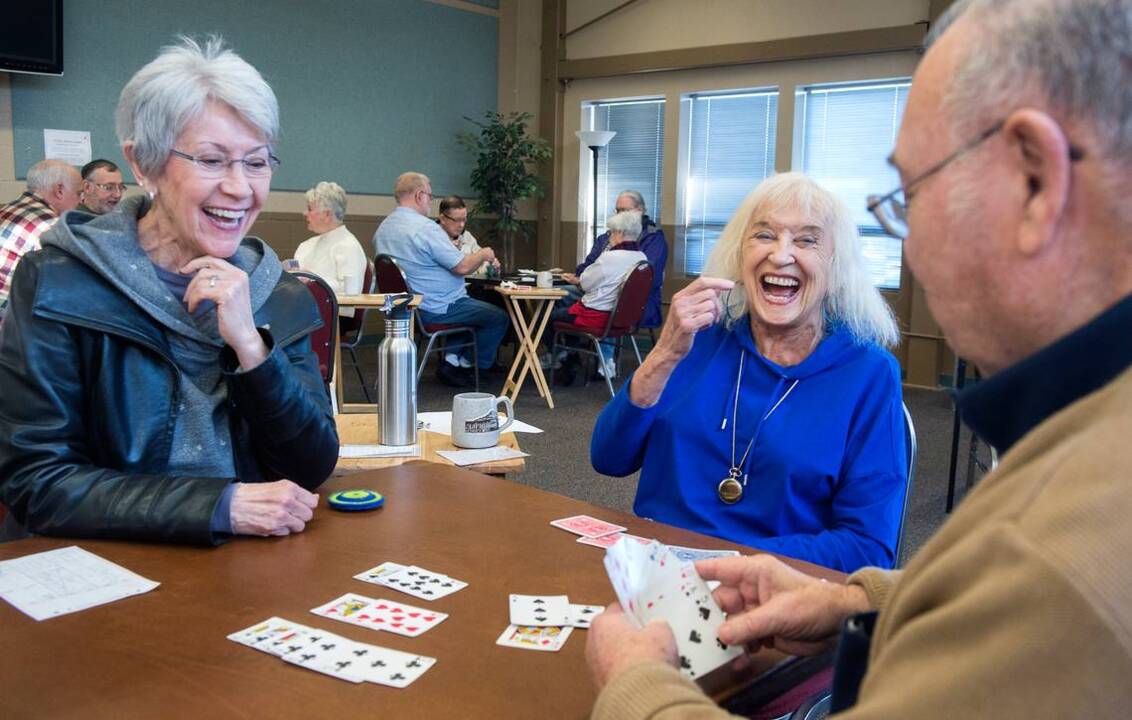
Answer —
390 279
350 327
323 340
631 300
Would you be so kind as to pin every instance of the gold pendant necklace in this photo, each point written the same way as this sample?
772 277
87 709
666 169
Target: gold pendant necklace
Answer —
730 489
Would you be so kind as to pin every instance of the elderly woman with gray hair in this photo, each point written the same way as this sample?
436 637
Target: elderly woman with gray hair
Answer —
769 412
156 363
334 254
600 281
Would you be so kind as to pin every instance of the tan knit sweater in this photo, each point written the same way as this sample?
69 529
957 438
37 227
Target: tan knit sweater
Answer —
1020 607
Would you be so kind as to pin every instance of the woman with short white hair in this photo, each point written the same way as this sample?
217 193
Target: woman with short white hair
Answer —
769 412
158 376
334 254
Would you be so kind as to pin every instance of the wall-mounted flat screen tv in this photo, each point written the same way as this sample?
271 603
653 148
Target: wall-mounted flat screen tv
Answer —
31 36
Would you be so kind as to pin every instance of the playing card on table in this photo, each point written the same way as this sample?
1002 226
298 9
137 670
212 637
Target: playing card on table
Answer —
399 618
345 608
547 639
688 554
421 583
265 631
582 615
540 610
372 575
300 638
332 655
587 526
392 667
608 541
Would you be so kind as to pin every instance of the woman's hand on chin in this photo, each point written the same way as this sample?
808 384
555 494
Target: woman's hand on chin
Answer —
227 286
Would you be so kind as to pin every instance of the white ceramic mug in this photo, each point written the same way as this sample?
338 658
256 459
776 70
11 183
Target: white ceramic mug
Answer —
544 279
475 419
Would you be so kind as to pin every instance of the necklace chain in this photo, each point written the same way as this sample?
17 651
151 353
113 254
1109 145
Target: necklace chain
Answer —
736 468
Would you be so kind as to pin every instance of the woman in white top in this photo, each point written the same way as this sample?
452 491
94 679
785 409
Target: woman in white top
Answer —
601 280
452 219
334 254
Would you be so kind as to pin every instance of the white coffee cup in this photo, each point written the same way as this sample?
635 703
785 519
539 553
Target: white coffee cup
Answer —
544 279
475 419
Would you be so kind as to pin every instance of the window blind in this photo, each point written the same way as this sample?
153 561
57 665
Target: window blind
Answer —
847 135
633 160
730 151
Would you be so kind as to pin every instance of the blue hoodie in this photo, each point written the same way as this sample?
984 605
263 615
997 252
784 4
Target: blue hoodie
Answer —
827 472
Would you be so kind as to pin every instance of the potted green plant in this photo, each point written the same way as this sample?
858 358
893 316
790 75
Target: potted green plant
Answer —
505 154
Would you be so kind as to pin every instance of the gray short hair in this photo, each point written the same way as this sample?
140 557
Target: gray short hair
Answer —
637 198
626 223
852 300
408 183
329 196
1072 54
46 174
174 89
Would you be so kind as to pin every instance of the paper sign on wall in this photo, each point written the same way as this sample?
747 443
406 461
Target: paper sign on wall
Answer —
70 146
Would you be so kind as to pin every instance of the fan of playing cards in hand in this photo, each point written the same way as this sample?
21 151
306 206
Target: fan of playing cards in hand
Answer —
652 583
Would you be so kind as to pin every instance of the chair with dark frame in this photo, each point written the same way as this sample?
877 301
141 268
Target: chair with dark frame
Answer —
324 339
817 706
623 320
351 329
391 279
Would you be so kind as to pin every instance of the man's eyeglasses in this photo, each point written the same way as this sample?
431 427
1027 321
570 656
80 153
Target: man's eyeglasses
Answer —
217 166
891 210
455 220
110 187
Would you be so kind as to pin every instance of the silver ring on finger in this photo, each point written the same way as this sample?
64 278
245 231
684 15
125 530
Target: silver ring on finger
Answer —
212 280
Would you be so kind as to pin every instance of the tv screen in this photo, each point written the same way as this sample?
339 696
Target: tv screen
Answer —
31 37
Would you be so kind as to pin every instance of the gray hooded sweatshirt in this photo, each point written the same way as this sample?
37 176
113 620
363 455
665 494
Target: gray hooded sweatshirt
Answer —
109 245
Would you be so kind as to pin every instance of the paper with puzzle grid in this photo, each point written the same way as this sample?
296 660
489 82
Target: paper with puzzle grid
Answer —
652 583
56 582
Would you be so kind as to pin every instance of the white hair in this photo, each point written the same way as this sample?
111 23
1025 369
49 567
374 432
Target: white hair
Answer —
329 196
626 223
46 174
176 87
851 300
1072 54
637 198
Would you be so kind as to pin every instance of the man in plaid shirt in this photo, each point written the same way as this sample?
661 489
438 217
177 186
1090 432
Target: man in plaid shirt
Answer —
53 188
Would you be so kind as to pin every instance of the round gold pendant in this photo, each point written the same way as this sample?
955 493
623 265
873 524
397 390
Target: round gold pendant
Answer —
730 490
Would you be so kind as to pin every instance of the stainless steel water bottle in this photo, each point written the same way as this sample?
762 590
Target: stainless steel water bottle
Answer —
397 364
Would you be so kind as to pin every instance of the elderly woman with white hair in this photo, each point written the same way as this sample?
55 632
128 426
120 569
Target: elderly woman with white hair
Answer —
334 254
156 363
769 412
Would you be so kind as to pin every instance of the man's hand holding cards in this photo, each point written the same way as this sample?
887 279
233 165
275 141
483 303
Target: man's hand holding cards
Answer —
652 583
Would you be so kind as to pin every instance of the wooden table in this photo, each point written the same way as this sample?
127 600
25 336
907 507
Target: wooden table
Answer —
529 309
366 301
363 429
165 653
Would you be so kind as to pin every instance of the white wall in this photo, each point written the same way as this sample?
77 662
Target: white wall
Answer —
651 25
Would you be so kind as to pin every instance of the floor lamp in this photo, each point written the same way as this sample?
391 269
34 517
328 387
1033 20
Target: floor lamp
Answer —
595 140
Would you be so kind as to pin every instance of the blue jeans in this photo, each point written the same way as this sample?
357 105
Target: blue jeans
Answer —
490 322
